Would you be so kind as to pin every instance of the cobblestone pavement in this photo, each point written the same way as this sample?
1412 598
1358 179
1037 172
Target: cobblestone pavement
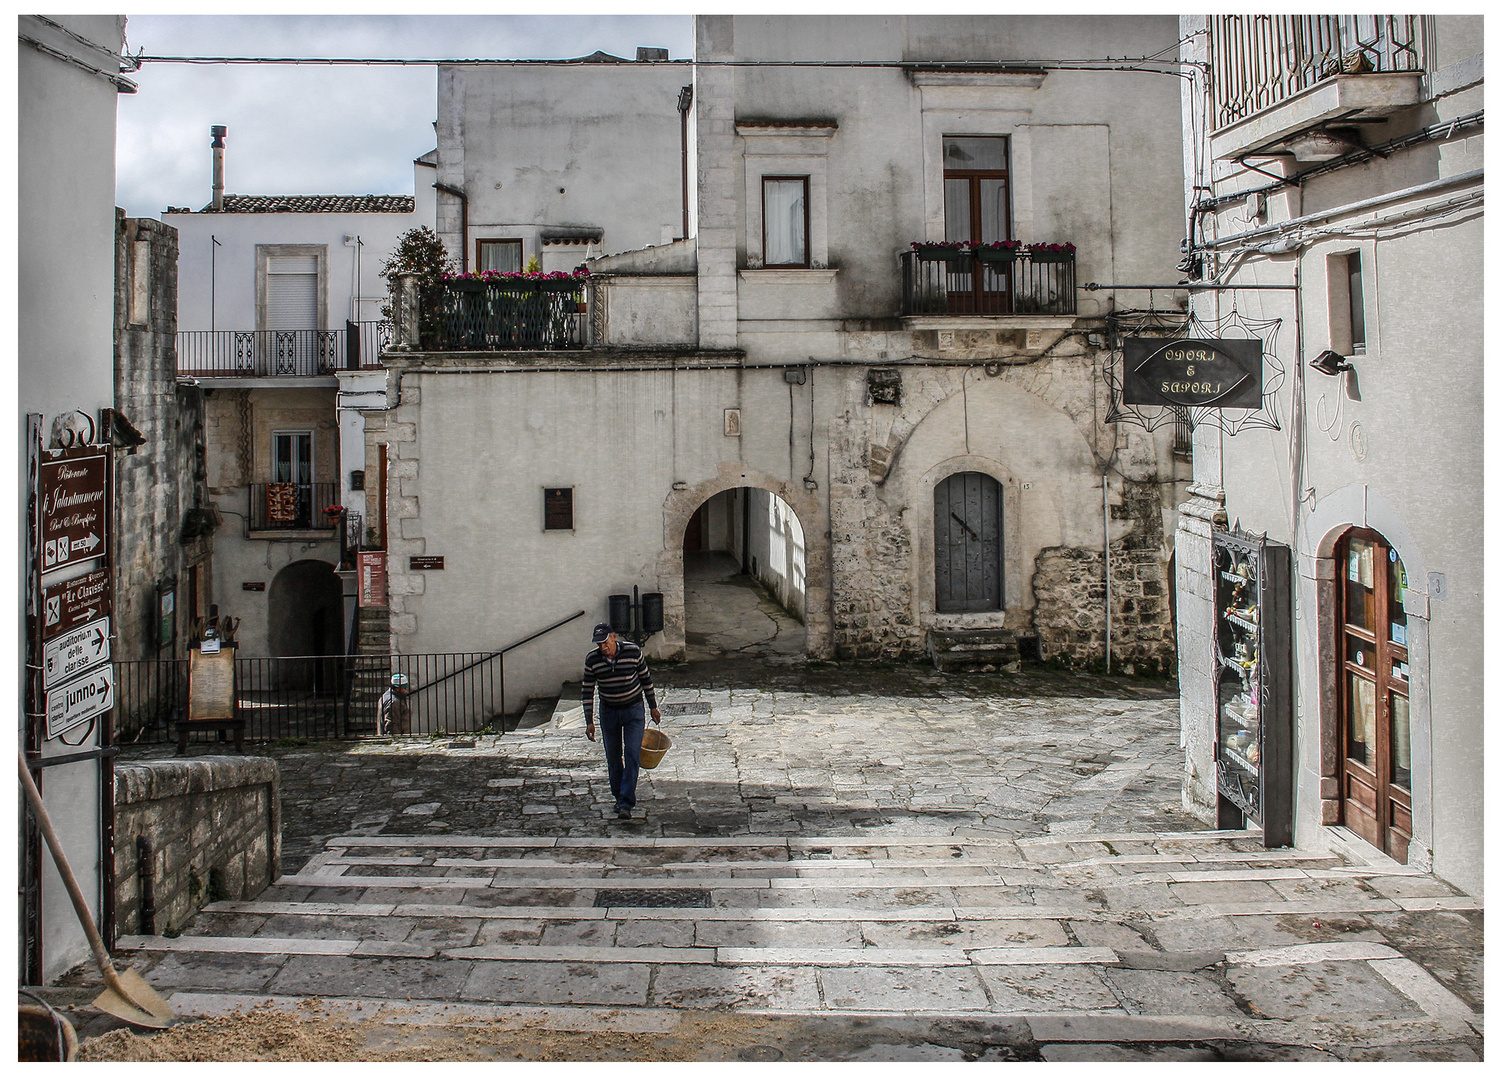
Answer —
878 864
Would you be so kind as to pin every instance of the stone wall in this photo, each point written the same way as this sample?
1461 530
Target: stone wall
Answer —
159 482
1070 592
870 551
215 827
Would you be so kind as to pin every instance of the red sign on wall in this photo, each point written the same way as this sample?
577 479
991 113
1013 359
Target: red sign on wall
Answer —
371 566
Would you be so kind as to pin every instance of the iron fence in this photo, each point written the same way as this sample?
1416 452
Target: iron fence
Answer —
317 697
1260 60
508 314
967 284
292 506
269 353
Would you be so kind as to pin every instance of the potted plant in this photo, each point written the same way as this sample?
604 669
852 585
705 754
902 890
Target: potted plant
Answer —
1052 253
999 251
948 251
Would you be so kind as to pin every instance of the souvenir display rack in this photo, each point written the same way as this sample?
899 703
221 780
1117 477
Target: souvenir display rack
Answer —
1255 745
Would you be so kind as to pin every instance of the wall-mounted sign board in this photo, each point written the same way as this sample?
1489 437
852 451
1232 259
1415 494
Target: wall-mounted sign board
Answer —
558 508
253 586
425 562
371 571
84 698
1224 373
72 512
71 603
78 650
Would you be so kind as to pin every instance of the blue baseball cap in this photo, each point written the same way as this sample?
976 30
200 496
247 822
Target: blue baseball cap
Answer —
601 632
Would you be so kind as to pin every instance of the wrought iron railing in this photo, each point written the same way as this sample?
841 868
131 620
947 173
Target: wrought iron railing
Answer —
317 697
1259 60
268 353
969 284
292 506
508 314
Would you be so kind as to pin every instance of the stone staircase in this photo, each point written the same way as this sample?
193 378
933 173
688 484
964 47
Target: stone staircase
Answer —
373 668
973 650
1086 939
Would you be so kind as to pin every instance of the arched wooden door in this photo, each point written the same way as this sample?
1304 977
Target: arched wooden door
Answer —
968 543
1373 689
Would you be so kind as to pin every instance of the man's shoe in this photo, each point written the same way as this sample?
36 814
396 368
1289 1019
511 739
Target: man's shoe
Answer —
623 811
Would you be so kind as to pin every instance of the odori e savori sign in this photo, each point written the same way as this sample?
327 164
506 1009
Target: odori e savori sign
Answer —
1222 373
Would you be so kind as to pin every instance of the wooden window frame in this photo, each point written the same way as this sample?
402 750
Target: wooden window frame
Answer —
804 179
481 241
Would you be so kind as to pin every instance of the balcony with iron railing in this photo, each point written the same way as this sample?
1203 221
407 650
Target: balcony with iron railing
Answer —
494 312
942 280
263 354
1260 60
293 508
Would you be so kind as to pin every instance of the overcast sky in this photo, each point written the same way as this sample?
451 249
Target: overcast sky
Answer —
321 130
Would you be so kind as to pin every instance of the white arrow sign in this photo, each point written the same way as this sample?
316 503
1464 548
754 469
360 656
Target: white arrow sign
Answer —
78 650
82 699
86 543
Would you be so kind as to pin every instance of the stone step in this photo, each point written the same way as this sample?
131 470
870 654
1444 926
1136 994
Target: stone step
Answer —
965 650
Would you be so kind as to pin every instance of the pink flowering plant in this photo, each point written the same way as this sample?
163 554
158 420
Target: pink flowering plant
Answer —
998 245
489 276
954 245
1053 249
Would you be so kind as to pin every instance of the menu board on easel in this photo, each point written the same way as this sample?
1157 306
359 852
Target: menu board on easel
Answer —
211 684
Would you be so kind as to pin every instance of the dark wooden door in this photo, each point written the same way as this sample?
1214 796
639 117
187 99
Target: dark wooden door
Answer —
968 543
1373 689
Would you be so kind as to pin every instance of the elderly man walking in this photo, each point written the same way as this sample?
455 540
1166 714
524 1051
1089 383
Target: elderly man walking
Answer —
618 670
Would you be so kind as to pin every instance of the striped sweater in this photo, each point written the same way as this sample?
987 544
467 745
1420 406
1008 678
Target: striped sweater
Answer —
622 681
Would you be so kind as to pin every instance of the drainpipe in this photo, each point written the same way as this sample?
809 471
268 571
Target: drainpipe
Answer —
686 96
1107 568
217 135
464 224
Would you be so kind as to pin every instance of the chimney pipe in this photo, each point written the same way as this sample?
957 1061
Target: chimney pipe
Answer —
218 134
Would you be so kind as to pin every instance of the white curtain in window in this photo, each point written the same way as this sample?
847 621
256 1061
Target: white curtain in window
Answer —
783 229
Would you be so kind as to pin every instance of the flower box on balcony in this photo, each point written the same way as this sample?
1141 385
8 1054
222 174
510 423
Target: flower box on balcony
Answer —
1052 253
460 285
995 254
948 253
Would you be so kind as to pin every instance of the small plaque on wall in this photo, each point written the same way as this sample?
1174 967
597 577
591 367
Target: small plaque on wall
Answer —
425 562
558 508
253 586
733 423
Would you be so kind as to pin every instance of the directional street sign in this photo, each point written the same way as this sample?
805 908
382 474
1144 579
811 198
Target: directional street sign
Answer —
78 650
73 513
82 699
72 603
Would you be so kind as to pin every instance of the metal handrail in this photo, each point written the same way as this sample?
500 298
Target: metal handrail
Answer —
502 651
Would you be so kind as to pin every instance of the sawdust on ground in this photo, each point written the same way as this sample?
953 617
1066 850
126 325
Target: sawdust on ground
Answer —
312 1033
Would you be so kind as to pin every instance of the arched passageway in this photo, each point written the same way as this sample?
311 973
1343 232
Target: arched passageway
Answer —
305 618
745 570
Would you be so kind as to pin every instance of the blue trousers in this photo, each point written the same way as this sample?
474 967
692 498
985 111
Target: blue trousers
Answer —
621 731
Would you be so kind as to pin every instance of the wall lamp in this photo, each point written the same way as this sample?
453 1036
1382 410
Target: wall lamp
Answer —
1331 363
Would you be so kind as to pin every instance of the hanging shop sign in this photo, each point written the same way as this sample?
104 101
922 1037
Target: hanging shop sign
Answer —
1223 373
72 603
73 512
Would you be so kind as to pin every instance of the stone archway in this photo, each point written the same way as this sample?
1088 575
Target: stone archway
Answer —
679 506
305 618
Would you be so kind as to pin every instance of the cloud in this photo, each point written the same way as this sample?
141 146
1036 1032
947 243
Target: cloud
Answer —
320 129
